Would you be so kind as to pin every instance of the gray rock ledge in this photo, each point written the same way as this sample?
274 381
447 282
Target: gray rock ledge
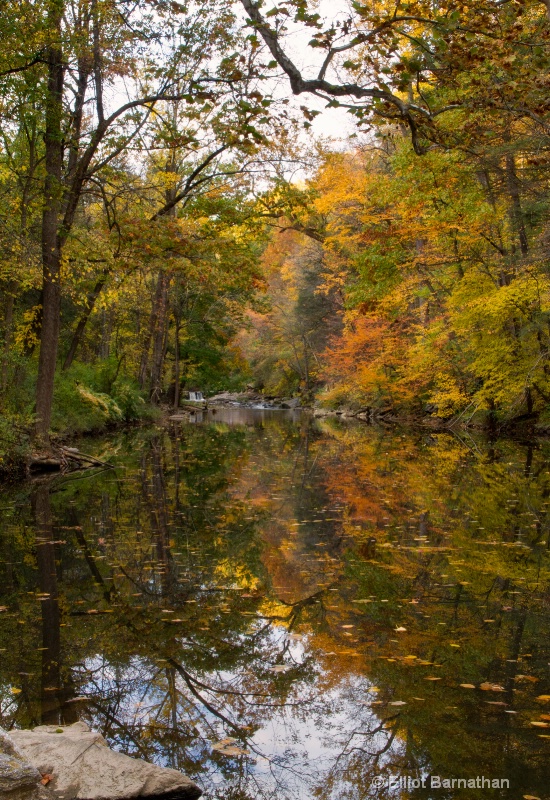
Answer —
84 768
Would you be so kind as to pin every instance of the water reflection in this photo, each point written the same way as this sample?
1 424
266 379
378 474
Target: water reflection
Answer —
291 609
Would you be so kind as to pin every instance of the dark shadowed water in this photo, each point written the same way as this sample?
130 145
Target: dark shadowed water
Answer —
284 608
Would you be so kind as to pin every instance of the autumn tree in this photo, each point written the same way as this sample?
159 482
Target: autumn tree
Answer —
98 72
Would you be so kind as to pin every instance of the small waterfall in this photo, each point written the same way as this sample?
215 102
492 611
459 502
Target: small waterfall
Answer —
197 396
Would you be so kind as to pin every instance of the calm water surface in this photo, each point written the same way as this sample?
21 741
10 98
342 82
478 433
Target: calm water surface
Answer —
287 608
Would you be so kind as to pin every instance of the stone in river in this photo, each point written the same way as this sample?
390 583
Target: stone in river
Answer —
84 768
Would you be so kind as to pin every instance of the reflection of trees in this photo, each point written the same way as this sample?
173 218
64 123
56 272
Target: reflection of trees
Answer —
204 590
56 689
459 561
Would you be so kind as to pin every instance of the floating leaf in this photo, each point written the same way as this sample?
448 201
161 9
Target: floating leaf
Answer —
227 747
223 743
491 687
432 678
467 686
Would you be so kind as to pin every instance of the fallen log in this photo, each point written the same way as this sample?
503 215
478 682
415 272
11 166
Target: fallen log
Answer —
63 459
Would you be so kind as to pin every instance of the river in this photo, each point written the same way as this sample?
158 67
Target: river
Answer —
290 608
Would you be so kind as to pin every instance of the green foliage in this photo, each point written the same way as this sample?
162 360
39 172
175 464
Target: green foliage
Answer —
15 443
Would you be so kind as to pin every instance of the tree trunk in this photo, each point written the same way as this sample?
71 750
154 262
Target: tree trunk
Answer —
51 250
516 210
8 330
158 335
82 322
177 364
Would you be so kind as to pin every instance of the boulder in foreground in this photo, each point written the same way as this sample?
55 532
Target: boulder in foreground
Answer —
19 779
82 767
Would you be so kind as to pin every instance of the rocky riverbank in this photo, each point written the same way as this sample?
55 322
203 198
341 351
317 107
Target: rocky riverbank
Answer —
251 399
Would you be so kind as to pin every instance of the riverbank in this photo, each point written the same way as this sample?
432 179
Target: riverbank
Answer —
19 458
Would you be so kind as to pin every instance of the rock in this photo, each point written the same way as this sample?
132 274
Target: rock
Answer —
19 779
224 397
84 768
293 402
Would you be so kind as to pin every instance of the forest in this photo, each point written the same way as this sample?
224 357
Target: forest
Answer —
178 214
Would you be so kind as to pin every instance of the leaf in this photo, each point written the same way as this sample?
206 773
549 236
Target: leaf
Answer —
491 687
538 724
223 743
46 778
543 698
234 751
15 690
432 678
227 747
401 630
467 686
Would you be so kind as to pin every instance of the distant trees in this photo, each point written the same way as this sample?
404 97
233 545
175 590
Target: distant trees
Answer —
440 261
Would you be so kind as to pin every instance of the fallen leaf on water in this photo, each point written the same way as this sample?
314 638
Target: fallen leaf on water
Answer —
223 743
530 797
401 630
15 690
467 685
233 751
540 724
491 687
543 698
432 678
397 703
279 668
